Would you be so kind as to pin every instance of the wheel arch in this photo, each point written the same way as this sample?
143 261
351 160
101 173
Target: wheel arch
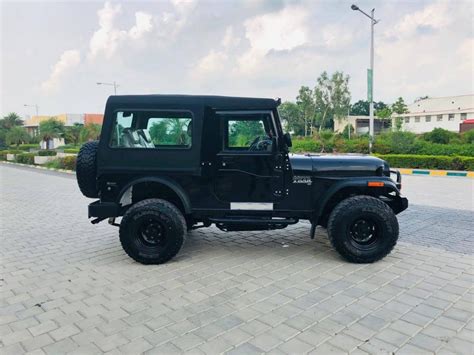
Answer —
345 189
157 187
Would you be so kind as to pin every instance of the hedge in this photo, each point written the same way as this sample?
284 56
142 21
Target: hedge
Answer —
25 158
25 146
46 153
71 151
387 143
429 162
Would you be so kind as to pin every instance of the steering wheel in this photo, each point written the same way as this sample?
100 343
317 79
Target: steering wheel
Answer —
254 144
264 144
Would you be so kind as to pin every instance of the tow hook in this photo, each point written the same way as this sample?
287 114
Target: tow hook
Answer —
97 220
112 222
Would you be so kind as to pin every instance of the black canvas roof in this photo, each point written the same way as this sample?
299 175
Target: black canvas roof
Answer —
217 102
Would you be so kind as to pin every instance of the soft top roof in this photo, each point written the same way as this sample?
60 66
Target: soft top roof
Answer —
217 102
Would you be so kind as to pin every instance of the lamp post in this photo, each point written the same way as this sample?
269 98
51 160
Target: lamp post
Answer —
114 84
33 105
370 73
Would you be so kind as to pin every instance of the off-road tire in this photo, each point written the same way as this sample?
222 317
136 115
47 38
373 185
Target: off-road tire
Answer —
86 169
167 215
353 209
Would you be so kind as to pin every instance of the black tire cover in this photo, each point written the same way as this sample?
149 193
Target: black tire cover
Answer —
86 169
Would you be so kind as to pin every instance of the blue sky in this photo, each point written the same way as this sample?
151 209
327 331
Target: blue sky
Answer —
53 53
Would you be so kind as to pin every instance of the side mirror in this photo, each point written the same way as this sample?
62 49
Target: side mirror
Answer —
287 139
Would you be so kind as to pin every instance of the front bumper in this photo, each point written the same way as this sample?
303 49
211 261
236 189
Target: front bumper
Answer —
100 209
399 178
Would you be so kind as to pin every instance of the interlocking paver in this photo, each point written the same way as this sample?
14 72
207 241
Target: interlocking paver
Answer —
68 286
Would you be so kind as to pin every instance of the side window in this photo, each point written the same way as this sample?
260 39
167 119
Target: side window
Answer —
122 124
170 131
254 132
242 133
153 129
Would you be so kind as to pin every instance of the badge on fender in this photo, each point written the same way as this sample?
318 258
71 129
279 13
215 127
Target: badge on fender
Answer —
302 180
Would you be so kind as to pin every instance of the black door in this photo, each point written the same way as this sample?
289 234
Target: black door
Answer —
249 168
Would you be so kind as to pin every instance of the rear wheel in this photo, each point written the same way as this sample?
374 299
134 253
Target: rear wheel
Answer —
152 231
363 229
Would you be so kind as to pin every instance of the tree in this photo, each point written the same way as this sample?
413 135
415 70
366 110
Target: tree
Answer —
332 98
17 135
72 134
307 107
50 129
10 120
292 118
399 107
360 108
384 113
90 132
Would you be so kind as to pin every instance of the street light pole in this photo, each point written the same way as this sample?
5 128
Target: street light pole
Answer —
371 108
370 74
35 106
114 84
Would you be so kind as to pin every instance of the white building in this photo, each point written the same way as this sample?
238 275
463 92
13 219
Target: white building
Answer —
438 112
360 124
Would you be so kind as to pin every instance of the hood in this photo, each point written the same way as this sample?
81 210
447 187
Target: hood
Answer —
338 165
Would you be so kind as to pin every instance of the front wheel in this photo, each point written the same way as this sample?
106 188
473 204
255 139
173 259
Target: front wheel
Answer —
363 229
152 231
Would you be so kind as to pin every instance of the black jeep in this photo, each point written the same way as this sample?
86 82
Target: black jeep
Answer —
173 163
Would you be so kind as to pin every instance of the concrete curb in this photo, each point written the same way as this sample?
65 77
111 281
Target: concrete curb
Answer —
40 167
427 172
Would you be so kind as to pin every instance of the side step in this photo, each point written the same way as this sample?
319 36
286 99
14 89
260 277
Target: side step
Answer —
229 224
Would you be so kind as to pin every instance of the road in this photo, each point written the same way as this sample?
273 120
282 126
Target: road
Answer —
66 286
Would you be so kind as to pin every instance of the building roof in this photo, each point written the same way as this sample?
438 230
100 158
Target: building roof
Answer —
446 104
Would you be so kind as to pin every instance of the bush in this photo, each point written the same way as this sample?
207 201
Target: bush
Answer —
71 150
305 145
68 163
468 137
14 151
26 147
429 162
3 154
440 136
25 158
47 153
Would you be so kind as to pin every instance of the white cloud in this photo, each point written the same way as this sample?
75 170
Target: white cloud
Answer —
68 60
336 36
427 52
213 62
435 16
230 40
143 25
108 38
282 30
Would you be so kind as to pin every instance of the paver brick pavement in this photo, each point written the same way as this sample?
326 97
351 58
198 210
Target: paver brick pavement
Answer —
66 286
